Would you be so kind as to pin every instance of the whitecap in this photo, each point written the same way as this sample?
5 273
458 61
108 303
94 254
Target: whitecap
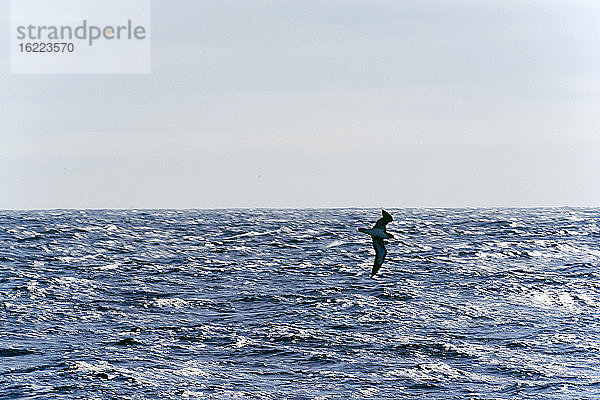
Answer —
108 267
335 243
187 394
542 298
567 301
174 302
100 366
587 299
192 371
241 341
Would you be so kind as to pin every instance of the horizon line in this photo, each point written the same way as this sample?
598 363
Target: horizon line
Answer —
297 208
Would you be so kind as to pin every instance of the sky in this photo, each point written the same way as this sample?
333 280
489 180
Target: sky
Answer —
319 103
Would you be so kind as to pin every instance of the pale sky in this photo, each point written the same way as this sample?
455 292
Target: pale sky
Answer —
319 104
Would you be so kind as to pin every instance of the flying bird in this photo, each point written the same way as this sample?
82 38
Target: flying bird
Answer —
378 233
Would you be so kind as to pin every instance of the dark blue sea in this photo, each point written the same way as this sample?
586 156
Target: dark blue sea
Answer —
278 304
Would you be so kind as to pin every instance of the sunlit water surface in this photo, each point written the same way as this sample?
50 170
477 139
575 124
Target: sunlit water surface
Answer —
272 304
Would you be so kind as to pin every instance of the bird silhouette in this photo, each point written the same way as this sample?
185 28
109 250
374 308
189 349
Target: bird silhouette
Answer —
378 233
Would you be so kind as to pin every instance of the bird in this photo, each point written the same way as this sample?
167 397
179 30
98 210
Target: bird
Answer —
378 233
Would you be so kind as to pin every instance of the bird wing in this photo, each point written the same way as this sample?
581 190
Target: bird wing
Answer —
380 253
383 221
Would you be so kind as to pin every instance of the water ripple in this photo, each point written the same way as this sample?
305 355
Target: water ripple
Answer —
471 303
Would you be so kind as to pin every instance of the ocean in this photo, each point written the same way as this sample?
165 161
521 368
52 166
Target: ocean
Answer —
278 304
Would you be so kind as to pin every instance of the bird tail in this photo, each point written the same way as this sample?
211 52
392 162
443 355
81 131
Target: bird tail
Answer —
363 230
